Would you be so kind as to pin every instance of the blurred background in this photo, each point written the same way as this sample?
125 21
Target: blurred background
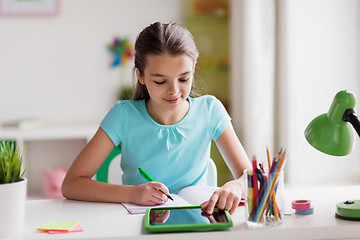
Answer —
274 64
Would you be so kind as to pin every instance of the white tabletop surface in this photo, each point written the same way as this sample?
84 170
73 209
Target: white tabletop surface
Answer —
112 221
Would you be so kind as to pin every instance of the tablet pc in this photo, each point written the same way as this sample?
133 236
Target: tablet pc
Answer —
187 218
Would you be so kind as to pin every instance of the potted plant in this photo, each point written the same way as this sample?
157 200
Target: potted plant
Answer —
125 92
12 189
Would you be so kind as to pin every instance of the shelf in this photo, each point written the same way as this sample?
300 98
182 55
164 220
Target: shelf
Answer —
51 132
48 147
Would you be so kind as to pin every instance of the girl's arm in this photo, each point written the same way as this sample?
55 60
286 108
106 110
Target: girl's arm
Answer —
78 184
229 195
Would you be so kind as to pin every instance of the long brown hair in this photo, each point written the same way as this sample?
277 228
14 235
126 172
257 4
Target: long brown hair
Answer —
158 39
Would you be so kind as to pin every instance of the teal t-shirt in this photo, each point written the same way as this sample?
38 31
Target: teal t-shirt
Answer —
176 155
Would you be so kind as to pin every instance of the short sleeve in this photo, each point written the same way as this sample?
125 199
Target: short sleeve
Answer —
218 117
114 122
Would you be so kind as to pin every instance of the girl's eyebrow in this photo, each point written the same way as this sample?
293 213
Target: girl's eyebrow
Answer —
161 75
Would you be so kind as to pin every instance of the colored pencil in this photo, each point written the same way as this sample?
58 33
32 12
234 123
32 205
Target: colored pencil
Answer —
268 157
250 196
273 175
255 184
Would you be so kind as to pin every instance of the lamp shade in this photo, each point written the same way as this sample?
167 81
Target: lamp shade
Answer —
329 133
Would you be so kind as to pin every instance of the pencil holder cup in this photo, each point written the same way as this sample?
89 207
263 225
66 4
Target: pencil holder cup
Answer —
264 198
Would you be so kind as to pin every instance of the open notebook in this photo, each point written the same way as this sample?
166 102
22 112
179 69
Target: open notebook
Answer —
189 196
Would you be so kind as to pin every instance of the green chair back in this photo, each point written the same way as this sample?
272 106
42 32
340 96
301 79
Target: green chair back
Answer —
102 174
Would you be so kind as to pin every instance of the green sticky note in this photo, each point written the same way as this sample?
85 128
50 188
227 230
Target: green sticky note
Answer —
59 226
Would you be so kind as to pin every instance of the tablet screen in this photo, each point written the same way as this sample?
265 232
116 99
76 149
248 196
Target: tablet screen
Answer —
186 216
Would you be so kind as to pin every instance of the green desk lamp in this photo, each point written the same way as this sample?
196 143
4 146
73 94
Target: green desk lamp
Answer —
330 133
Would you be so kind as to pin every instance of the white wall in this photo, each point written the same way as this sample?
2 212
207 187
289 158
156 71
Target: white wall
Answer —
59 68
252 74
322 59
317 55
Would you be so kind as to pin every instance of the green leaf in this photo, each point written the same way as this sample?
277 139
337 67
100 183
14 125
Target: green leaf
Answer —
11 160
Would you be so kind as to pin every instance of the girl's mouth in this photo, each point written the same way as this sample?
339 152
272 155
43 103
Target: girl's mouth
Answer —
172 101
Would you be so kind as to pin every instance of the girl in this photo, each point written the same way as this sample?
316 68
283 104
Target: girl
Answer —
165 130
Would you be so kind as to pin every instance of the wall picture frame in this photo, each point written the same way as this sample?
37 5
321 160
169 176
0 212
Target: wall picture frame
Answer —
29 7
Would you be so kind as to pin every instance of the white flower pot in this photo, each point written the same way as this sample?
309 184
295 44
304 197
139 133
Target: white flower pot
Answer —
12 207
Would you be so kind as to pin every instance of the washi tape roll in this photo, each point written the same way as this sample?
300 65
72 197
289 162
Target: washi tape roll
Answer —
305 212
301 204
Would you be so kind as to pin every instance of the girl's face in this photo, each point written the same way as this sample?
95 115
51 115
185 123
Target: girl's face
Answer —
168 80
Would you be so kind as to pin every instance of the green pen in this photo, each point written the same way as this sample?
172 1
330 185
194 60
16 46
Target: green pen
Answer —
147 177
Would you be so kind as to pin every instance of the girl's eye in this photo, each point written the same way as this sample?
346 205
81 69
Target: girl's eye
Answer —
159 82
183 80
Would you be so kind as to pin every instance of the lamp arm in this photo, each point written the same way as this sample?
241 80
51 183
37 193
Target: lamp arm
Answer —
349 116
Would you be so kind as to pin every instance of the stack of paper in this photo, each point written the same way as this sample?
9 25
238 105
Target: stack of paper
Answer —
61 227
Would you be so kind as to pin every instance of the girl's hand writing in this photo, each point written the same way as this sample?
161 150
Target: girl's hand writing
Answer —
149 194
227 197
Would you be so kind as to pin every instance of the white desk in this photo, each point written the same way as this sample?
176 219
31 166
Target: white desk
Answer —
111 221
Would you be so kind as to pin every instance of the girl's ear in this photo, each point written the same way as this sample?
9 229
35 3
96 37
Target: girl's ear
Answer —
139 77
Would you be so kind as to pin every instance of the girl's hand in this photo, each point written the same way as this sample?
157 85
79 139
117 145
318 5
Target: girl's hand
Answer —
149 194
225 198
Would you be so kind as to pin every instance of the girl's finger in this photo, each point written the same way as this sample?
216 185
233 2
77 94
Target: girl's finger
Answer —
233 208
161 188
204 206
159 197
159 191
222 201
229 204
236 203
211 203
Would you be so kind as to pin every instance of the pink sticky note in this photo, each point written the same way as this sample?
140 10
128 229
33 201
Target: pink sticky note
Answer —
77 228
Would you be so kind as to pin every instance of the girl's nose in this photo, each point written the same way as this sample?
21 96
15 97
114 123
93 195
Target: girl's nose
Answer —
173 89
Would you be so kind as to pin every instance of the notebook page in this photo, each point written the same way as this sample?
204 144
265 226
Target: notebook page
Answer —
139 209
196 195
